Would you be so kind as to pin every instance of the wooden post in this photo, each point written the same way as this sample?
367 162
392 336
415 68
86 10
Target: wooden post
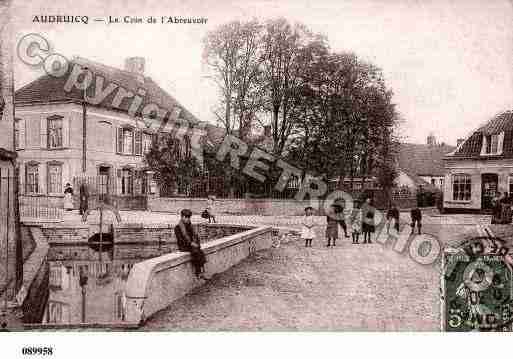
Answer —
84 131
17 224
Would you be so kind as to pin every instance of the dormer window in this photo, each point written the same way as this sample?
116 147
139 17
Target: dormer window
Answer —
492 144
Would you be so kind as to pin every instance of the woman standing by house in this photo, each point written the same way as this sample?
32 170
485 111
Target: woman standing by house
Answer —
68 197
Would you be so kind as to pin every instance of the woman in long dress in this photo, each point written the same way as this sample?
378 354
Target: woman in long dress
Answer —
68 198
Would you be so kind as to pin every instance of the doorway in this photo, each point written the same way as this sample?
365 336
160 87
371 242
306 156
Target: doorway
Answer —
489 184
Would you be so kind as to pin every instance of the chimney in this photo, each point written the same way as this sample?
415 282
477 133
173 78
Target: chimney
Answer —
431 140
267 131
459 141
136 66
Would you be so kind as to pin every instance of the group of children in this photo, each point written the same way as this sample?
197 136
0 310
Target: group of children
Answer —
362 222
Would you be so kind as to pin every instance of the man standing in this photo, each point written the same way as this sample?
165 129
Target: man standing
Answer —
392 218
188 241
84 202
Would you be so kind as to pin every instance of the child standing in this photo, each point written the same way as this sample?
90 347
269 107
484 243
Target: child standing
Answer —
308 224
211 211
356 223
416 219
334 219
368 220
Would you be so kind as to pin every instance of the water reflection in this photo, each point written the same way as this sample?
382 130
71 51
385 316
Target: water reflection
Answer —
87 283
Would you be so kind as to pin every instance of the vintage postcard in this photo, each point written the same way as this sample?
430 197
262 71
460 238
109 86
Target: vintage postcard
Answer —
256 165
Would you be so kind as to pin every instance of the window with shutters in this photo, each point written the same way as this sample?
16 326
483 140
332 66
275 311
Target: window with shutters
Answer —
54 132
129 141
147 140
54 178
19 134
138 143
32 178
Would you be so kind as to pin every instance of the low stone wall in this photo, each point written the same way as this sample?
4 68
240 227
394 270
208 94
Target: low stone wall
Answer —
35 279
127 233
155 283
263 207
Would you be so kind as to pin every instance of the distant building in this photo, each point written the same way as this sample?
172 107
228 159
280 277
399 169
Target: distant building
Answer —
61 137
422 164
481 166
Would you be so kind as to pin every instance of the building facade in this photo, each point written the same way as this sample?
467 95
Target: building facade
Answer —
65 135
481 167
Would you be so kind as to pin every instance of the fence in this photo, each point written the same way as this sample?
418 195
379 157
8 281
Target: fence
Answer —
123 193
41 208
204 186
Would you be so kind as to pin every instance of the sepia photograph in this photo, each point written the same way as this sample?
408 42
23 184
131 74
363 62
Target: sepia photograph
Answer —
255 166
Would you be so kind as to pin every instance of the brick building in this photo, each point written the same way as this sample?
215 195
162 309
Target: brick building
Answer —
64 133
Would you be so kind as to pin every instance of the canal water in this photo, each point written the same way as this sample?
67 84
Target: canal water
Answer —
87 282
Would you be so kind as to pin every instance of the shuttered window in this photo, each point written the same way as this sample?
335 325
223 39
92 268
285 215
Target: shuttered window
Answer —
138 150
55 132
119 142
32 178
147 140
54 178
19 134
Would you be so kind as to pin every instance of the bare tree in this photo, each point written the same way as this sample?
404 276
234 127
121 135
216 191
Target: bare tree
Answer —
287 51
231 53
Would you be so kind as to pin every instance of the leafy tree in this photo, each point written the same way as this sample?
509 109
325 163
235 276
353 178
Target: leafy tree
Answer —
345 120
173 163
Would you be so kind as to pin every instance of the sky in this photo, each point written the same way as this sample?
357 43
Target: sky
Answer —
449 62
